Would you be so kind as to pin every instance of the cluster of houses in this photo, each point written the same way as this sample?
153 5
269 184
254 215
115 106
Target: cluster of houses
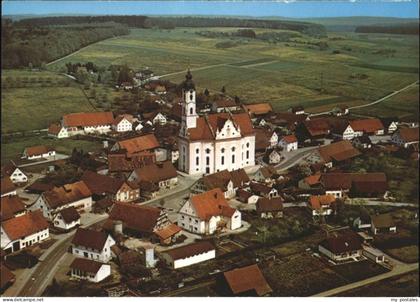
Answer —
218 145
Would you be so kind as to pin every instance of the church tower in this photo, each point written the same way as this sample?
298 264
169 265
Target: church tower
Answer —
189 114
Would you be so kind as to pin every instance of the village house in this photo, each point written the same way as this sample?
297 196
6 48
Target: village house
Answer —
270 208
7 278
258 109
390 124
341 129
92 245
342 247
137 144
214 142
16 175
297 110
266 174
90 270
333 153
123 123
287 121
37 152
227 181
67 219
126 163
246 196
154 118
310 182
362 142
383 223
23 231
118 189
322 205
263 190
289 143
340 110
367 126
57 130
373 254
7 187
208 212
272 157
87 122
11 206
405 137
313 129
246 281
161 174
354 184
263 139
225 105
75 195
189 254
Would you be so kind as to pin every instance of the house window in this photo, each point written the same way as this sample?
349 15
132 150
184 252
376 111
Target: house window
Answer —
247 145
197 161
197 150
247 154
233 149
191 109
223 160
207 150
207 161
233 158
223 150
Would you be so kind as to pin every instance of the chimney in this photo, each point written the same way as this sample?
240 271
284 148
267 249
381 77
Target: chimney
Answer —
118 227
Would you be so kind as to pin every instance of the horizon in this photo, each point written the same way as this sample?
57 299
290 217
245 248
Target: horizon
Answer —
294 9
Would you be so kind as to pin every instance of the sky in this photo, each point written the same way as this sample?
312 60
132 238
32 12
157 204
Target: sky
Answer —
289 9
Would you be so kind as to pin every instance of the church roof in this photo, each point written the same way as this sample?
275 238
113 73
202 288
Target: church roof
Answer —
188 84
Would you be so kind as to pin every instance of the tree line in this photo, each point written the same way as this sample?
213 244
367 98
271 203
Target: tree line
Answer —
401 29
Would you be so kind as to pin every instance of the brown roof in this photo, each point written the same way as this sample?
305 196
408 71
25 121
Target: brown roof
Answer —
6 276
69 214
258 188
289 139
38 150
100 184
367 125
190 250
243 194
122 162
208 125
221 179
269 205
313 179
317 201
8 169
317 127
24 225
156 172
247 278
39 187
338 151
54 128
11 205
287 118
168 231
382 220
66 194
7 185
84 119
90 239
342 243
211 203
333 181
268 171
262 139
409 134
259 108
139 143
86 265
136 217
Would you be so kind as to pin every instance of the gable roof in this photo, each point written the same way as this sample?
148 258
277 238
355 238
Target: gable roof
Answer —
409 134
100 184
260 188
269 205
268 171
221 179
317 201
85 119
6 276
317 126
247 278
382 221
11 205
313 179
86 265
119 119
331 181
259 108
156 172
139 143
367 125
289 139
168 231
69 214
190 250
90 239
54 128
136 217
38 150
24 225
122 162
66 194
9 168
346 242
211 203
338 151
7 185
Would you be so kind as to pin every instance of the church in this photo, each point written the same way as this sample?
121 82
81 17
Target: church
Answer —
213 142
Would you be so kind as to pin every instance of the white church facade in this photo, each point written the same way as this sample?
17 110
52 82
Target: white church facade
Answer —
214 142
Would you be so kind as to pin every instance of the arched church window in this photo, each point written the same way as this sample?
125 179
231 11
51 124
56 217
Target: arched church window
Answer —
191 110
247 145
233 149
207 150
191 96
197 150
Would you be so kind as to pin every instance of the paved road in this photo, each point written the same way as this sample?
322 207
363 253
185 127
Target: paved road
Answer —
293 160
399 270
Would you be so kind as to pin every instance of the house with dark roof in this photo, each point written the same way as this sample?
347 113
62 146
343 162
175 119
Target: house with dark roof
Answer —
138 144
7 278
91 244
322 205
246 281
270 208
67 219
23 231
16 175
406 136
207 213
263 190
161 174
297 110
122 162
37 152
75 195
190 254
90 270
266 174
272 157
342 247
225 105
383 223
87 122
57 130
246 196
362 142
11 206
312 129
333 153
227 181
289 143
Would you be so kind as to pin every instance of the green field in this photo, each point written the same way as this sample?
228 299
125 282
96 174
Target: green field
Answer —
38 99
283 73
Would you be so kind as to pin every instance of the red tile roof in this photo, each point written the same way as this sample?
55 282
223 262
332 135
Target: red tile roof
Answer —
269 205
246 279
6 277
317 201
90 239
66 194
190 250
86 265
317 127
333 181
10 206
221 179
289 139
7 185
101 184
259 108
313 179
54 128
156 172
168 231
409 134
338 151
342 243
86 119
211 203
38 150
24 225
139 143
367 125
121 162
